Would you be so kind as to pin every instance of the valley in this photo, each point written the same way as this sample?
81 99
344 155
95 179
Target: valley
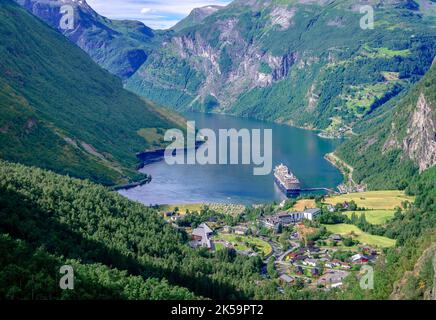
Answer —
84 112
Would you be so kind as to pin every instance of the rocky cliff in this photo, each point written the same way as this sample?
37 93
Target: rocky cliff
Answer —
420 142
120 47
400 142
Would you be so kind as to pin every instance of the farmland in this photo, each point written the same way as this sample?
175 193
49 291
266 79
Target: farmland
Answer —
376 200
357 234
378 217
302 204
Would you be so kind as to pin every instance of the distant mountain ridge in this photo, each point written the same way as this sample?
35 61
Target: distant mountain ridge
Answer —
120 47
196 16
306 63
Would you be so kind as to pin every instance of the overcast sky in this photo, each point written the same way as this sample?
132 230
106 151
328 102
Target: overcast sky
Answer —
157 14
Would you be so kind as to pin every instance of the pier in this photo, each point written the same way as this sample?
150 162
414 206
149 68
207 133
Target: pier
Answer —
318 189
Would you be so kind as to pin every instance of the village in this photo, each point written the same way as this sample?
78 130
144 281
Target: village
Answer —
295 247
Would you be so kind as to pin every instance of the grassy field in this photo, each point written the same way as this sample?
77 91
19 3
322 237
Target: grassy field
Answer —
302 204
363 237
229 209
376 200
374 216
182 208
244 243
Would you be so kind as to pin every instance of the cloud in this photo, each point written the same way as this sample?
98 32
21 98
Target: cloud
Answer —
146 10
156 14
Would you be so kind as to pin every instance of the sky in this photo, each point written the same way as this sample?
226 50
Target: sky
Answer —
156 14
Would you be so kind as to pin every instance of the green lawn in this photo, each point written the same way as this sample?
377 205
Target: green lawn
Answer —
219 246
363 237
244 242
377 200
374 216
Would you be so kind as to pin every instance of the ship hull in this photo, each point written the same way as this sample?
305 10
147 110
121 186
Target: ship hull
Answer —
286 191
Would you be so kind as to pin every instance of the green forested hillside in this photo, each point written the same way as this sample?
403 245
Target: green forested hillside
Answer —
47 215
415 231
61 111
307 63
29 273
121 249
389 151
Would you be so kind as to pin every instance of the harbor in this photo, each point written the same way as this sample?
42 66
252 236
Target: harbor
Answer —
290 185
301 150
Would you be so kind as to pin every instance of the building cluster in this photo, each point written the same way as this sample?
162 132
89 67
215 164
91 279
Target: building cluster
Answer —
313 262
288 218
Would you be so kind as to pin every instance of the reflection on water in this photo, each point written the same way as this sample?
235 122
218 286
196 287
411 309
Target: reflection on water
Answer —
301 150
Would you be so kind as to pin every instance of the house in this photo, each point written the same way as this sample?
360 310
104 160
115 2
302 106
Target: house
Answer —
227 229
315 272
288 218
299 270
285 279
310 214
300 258
334 264
242 231
333 279
309 262
359 258
271 223
313 250
368 251
335 237
202 236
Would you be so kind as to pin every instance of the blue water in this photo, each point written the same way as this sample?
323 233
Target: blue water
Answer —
301 150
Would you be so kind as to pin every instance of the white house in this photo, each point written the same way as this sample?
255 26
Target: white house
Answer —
201 236
310 214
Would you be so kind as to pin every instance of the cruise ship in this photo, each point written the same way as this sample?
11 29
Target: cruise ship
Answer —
286 180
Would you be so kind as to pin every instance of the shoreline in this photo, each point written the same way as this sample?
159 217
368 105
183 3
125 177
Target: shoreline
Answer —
320 132
349 185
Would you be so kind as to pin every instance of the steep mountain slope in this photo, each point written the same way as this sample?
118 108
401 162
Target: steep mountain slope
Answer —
307 63
39 234
61 111
120 47
121 249
398 144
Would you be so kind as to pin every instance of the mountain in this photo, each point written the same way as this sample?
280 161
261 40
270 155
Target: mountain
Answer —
306 63
196 16
120 47
119 249
39 234
397 144
59 110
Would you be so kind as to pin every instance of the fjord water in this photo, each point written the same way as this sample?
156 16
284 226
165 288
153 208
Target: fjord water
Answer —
301 150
